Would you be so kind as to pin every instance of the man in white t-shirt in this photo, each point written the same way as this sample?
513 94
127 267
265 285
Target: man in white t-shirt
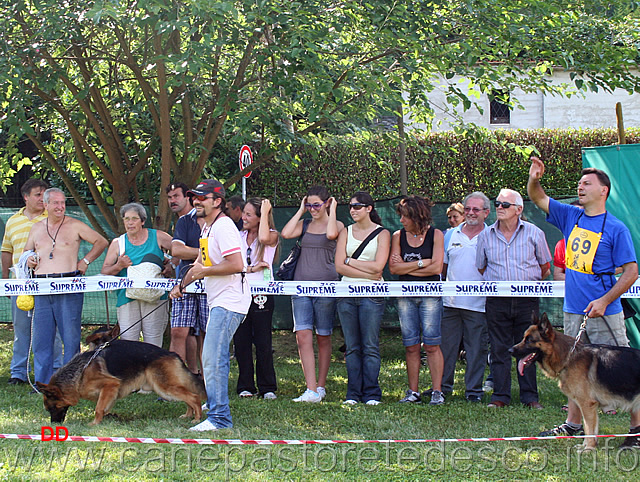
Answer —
464 317
220 264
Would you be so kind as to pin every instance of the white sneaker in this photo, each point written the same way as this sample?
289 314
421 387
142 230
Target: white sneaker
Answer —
373 402
205 426
488 386
350 402
245 394
205 406
322 392
308 396
269 396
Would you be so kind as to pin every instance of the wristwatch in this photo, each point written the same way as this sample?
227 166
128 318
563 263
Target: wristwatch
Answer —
86 261
346 260
420 263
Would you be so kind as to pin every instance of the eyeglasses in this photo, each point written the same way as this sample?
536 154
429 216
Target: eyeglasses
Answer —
357 206
315 206
474 210
249 256
132 218
504 204
202 198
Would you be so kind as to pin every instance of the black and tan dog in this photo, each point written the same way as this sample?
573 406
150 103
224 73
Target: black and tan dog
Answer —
117 370
102 335
593 376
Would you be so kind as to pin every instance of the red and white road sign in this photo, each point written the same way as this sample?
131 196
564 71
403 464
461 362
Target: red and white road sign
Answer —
246 158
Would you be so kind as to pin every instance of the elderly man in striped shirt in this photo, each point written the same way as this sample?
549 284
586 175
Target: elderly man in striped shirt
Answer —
511 250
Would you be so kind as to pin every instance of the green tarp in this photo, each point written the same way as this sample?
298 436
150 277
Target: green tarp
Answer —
621 163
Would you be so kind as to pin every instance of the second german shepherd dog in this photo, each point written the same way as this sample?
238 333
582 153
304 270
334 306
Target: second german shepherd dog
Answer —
593 376
117 370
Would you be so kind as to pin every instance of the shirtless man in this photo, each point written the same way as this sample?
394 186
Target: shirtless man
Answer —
56 241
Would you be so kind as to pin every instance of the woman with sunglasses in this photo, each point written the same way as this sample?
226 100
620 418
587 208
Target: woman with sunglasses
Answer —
316 263
260 240
360 316
417 253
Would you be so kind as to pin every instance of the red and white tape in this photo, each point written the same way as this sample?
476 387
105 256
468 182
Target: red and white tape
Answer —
206 441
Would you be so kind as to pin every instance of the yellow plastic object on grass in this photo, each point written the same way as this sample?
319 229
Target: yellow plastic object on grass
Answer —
25 302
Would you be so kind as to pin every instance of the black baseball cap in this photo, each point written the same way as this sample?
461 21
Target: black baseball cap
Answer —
208 186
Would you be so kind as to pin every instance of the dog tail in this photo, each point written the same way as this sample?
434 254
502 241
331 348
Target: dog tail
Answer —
199 387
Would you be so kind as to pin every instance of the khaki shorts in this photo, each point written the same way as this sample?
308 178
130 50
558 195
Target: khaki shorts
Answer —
597 330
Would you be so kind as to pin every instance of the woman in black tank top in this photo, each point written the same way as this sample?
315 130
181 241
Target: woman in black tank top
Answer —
417 253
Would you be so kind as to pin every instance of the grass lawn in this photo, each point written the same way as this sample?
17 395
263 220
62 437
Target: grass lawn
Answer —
281 419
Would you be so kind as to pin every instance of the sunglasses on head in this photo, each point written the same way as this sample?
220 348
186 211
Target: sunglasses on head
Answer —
504 204
357 206
315 206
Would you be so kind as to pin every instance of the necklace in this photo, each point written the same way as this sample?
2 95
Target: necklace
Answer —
54 237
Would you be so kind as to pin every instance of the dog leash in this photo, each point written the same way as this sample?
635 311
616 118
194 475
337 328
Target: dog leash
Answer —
583 328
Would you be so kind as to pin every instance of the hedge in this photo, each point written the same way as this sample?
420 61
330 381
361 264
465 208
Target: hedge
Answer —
442 166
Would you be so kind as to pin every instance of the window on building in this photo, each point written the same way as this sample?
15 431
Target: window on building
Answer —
499 108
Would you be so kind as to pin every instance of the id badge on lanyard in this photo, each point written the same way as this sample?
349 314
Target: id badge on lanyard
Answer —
204 252
582 245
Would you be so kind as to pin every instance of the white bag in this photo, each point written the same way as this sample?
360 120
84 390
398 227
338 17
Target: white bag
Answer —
144 270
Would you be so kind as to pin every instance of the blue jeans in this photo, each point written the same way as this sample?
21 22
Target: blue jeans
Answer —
215 363
420 315
360 319
21 341
310 311
63 311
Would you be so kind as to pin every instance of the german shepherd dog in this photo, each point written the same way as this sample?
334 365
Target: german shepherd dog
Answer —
102 335
114 371
592 376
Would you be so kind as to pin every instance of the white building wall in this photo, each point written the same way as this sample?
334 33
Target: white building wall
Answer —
581 110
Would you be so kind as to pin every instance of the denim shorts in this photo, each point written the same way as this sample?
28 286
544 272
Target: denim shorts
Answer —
310 311
420 315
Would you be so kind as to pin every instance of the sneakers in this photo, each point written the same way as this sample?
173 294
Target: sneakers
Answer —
474 398
373 402
205 406
205 426
245 394
488 386
411 397
350 401
563 429
269 396
15 381
309 396
631 442
322 392
437 398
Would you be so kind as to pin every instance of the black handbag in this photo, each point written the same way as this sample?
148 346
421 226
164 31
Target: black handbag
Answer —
288 266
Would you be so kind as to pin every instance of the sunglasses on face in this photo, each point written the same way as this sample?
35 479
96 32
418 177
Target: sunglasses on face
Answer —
202 198
504 204
474 210
315 206
357 206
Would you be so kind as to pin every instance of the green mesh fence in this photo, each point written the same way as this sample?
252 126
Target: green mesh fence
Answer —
100 307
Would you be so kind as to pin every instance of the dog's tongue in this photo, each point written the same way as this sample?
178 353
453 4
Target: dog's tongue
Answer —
521 365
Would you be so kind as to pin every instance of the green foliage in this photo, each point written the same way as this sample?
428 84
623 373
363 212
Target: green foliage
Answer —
444 166
137 93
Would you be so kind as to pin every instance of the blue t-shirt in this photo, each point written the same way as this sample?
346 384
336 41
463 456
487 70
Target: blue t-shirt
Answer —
615 249
188 231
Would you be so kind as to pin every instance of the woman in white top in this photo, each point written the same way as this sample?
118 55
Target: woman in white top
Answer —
260 240
360 317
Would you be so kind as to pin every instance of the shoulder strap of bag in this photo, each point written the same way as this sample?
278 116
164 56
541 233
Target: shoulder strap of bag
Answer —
366 240
305 224
121 244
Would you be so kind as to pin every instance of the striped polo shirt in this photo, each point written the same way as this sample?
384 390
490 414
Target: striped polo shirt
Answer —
16 233
518 259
